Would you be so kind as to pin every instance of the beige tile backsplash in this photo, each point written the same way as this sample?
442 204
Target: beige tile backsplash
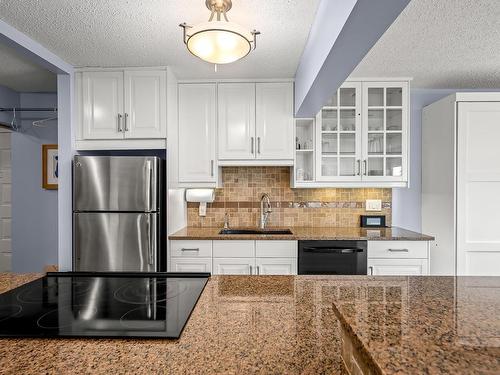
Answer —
243 186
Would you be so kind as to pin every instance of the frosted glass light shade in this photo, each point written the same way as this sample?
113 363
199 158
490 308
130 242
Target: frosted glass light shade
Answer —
219 42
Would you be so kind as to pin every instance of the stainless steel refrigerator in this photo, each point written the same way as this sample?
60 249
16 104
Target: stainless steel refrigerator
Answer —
119 213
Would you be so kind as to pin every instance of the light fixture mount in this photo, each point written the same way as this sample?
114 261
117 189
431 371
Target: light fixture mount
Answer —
219 41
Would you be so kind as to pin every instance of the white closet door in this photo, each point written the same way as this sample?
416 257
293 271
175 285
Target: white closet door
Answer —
478 189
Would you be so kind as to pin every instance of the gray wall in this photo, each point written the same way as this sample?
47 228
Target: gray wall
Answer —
34 209
8 98
407 203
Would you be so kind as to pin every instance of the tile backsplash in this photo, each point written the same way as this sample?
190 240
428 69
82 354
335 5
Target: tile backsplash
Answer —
243 186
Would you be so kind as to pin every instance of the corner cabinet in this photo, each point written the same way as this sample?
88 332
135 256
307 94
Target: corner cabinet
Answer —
255 123
123 105
197 133
361 138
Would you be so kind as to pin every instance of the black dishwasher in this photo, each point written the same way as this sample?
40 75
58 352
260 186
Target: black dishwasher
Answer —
332 257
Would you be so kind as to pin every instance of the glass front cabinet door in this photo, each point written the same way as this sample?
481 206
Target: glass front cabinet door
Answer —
338 136
385 128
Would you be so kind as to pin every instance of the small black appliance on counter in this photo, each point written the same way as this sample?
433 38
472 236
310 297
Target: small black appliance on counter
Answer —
372 221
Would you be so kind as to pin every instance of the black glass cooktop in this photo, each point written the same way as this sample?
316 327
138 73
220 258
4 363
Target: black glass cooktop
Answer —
101 305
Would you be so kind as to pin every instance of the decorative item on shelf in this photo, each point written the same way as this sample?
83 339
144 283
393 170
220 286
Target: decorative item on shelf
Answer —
300 174
217 41
50 167
297 143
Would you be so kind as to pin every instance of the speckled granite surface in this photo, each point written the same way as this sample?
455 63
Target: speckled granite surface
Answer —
241 325
423 325
306 233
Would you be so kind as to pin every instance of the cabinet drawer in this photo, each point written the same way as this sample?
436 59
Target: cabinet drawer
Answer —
276 266
191 265
234 266
276 249
397 249
398 267
191 249
234 249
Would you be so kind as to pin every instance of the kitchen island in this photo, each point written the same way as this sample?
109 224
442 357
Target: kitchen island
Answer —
297 325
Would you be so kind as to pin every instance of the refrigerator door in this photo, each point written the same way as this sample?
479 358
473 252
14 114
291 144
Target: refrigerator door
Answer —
115 242
115 183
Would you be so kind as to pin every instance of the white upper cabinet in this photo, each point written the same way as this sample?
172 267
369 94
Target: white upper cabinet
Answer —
274 120
361 138
255 122
236 121
339 136
102 106
124 104
197 132
385 131
145 104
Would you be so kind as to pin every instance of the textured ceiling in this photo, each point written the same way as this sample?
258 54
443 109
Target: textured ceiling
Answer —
142 33
441 44
19 74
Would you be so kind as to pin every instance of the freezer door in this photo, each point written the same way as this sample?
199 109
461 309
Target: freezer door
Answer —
115 242
115 183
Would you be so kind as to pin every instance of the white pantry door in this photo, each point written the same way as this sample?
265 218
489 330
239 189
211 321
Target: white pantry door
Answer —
478 189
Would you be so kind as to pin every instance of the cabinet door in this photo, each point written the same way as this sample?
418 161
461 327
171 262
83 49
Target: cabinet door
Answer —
236 102
197 127
339 136
190 264
102 105
274 120
276 266
385 131
145 104
398 267
233 266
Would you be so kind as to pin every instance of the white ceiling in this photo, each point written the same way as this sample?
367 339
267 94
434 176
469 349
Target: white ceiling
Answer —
147 33
441 44
20 74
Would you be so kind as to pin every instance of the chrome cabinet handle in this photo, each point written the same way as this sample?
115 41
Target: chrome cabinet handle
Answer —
211 168
359 167
371 270
398 250
151 239
364 168
258 270
251 145
193 249
251 273
125 121
258 145
120 129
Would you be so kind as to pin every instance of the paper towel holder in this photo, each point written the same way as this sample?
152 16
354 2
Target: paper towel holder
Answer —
201 196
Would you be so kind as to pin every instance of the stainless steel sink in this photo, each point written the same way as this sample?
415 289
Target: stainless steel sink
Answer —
256 231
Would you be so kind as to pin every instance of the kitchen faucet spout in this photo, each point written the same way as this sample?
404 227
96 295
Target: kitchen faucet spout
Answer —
265 209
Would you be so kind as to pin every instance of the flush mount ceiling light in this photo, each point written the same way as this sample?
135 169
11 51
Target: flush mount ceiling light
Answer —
216 41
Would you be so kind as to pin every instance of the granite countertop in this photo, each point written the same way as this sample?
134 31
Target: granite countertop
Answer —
305 233
292 325
422 325
240 325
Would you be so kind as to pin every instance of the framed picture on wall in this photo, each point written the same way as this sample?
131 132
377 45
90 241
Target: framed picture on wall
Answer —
50 167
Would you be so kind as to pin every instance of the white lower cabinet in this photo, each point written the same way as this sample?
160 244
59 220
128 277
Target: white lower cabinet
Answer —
233 266
234 257
398 258
404 267
276 266
191 265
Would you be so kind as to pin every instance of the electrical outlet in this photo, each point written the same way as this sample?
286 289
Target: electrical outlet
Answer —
373 205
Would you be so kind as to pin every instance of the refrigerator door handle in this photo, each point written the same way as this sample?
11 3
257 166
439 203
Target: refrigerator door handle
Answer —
149 177
152 243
